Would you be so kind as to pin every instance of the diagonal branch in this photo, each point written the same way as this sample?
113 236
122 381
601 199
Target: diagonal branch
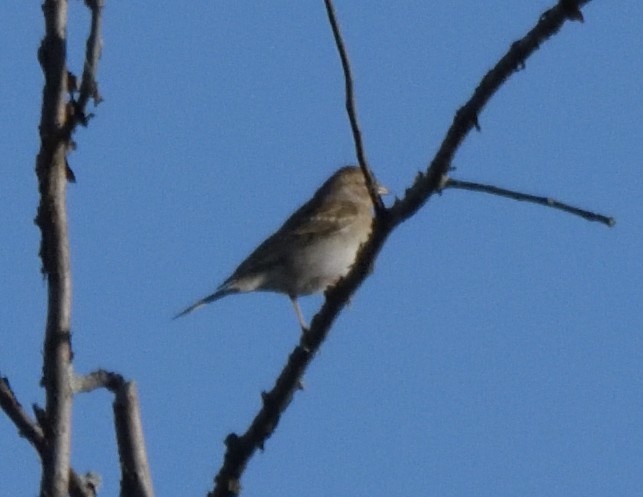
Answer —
33 432
27 427
466 117
239 449
525 197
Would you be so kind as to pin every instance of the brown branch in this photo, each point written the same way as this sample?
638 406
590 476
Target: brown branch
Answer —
27 427
33 432
59 118
466 117
88 84
54 251
239 449
351 109
525 197
136 480
98 379
51 436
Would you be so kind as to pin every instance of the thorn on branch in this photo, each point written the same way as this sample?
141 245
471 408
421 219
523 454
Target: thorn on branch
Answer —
96 96
231 441
71 177
72 83
41 418
92 482
516 46
471 118
572 10
476 124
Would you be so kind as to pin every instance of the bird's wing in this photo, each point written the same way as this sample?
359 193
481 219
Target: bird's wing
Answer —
311 220
331 218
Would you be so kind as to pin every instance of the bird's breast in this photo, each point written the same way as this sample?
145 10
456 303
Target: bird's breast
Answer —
323 262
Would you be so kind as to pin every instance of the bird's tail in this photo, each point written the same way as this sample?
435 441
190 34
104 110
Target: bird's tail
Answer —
220 293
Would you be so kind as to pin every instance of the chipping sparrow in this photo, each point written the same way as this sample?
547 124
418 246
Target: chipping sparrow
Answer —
314 248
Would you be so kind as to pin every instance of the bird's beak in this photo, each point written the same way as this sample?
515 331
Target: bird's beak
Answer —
382 190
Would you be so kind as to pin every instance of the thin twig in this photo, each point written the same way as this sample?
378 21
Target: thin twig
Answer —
89 85
351 109
546 201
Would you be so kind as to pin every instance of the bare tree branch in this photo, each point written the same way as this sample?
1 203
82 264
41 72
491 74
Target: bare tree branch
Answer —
27 428
239 449
466 117
50 435
33 432
88 84
98 379
136 480
51 166
59 117
546 201
351 109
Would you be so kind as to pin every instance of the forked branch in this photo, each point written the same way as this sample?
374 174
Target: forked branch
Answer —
239 449
28 428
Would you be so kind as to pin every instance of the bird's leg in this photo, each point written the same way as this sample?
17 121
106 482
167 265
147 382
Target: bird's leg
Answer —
300 316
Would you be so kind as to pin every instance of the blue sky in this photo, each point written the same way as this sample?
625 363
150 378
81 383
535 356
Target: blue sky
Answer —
497 349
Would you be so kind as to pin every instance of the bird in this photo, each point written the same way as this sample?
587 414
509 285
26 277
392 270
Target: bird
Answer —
314 248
